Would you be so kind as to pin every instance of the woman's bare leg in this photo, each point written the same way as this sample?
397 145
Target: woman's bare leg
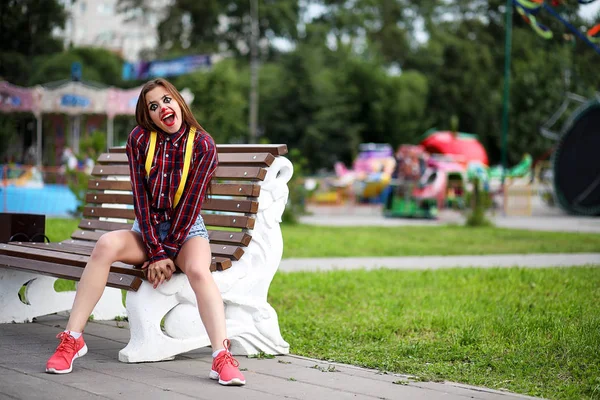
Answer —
121 245
194 260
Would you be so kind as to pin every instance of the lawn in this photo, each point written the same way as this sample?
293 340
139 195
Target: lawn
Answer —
535 332
318 241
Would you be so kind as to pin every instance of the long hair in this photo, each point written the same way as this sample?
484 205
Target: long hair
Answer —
142 114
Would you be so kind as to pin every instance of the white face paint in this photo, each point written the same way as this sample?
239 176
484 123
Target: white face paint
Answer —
164 110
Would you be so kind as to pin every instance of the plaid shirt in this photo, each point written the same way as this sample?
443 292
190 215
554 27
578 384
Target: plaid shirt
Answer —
154 194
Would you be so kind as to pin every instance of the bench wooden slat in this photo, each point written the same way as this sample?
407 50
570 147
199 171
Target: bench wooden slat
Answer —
242 206
223 237
230 221
109 184
111 198
233 238
107 212
235 189
218 263
62 247
225 159
102 225
64 258
119 281
217 249
224 220
245 173
237 238
275 149
222 189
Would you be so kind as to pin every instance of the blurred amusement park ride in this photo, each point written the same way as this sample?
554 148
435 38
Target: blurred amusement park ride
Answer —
416 180
441 170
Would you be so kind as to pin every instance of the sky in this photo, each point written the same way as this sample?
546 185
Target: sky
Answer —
590 11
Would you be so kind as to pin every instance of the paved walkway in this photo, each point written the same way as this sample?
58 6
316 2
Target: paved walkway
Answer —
543 218
24 349
437 262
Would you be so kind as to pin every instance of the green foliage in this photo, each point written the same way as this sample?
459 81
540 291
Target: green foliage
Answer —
90 148
531 331
220 101
296 205
8 128
98 65
358 72
26 31
197 26
78 183
307 108
480 202
92 145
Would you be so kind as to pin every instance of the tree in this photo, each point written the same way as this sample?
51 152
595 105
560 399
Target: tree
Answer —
303 105
212 26
26 28
98 65
220 101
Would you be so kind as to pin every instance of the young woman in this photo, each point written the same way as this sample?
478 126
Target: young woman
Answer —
168 230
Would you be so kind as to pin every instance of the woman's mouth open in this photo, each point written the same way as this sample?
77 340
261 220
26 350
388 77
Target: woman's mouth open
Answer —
169 119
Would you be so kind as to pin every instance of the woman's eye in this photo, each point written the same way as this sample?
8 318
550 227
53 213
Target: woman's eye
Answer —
167 99
153 107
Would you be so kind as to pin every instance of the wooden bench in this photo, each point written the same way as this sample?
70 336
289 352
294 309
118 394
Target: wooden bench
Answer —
242 213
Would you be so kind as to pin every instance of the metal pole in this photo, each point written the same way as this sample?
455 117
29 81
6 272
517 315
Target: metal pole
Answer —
254 71
38 144
110 128
505 99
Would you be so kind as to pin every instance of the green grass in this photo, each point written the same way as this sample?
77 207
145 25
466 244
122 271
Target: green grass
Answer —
530 331
318 241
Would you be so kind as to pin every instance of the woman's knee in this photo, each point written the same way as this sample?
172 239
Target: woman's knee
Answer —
108 247
198 272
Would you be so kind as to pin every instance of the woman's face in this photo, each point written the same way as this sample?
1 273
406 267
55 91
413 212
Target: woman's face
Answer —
164 109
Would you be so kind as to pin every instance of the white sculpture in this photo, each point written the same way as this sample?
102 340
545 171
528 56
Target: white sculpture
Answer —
252 323
39 298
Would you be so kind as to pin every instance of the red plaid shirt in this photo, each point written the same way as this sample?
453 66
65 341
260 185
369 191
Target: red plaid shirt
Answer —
154 195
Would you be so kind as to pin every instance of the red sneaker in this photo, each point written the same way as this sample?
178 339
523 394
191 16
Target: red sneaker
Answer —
67 351
225 368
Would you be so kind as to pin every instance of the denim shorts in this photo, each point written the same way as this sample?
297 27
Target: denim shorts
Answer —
198 229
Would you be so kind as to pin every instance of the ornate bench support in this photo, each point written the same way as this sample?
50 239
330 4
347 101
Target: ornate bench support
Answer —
252 323
40 298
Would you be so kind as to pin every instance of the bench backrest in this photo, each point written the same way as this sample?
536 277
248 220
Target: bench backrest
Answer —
229 211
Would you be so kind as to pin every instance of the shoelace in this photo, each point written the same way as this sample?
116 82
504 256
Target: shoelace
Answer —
225 359
67 342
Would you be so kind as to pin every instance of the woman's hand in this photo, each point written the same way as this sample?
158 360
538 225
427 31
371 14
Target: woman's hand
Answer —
159 271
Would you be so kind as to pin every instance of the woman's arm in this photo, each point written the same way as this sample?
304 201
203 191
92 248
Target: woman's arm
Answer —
136 155
190 205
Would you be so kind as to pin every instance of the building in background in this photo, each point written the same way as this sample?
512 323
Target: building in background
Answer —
98 23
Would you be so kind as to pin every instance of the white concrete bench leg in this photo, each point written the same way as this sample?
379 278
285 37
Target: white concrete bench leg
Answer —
39 296
146 309
110 305
252 323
